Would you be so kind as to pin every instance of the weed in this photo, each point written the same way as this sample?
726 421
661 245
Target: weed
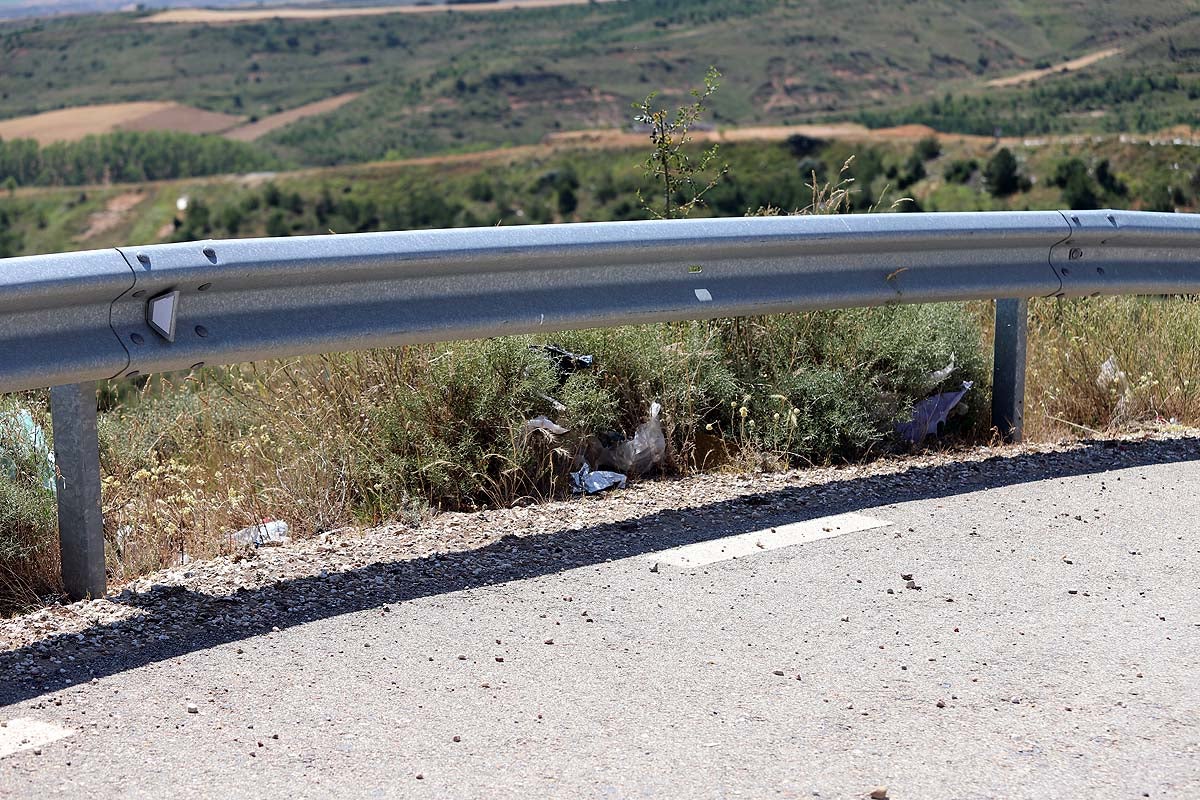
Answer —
680 179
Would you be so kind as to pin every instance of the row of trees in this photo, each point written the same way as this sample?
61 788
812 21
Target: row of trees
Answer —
126 156
1126 101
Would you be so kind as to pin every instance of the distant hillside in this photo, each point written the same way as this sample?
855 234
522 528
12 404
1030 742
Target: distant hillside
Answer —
456 80
17 9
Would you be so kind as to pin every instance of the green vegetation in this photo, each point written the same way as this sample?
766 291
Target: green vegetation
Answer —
1116 103
590 185
1001 175
10 239
1152 85
126 157
386 434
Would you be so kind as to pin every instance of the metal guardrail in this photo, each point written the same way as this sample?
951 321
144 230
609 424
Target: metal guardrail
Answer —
75 317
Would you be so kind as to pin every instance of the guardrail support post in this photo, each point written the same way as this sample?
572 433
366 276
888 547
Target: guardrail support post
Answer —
77 458
1008 370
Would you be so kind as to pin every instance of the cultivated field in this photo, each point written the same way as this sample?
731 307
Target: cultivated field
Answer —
72 124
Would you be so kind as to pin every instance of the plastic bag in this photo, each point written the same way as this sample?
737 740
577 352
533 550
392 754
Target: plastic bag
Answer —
543 423
269 533
930 413
565 362
22 440
938 375
1112 378
587 480
644 451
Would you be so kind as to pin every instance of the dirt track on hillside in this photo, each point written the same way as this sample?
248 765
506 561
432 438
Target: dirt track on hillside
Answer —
1067 66
116 211
214 16
848 131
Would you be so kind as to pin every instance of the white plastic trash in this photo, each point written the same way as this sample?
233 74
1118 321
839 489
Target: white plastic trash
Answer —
21 441
270 532
645 450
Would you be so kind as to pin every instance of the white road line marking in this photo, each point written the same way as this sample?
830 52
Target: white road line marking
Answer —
26 734
745 544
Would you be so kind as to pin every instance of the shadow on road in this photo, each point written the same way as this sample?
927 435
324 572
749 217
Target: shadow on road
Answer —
176 621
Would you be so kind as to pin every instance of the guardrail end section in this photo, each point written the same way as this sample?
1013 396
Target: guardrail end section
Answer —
77 460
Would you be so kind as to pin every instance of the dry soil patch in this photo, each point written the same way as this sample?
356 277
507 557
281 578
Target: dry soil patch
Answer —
115 211
848 131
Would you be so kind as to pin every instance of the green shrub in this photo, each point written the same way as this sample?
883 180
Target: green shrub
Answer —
450 429
1001 174
914 170
683 366
830 385
960 171
27 519
928 148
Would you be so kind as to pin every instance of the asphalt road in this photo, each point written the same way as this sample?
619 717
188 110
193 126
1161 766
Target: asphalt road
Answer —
1052 650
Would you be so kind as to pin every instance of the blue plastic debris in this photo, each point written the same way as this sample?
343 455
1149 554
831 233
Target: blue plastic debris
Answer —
587 480
930 414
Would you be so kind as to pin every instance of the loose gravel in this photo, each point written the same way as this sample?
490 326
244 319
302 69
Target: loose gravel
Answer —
201 604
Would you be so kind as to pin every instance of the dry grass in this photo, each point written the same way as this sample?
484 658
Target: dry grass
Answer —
188 462
1154 373
354 438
